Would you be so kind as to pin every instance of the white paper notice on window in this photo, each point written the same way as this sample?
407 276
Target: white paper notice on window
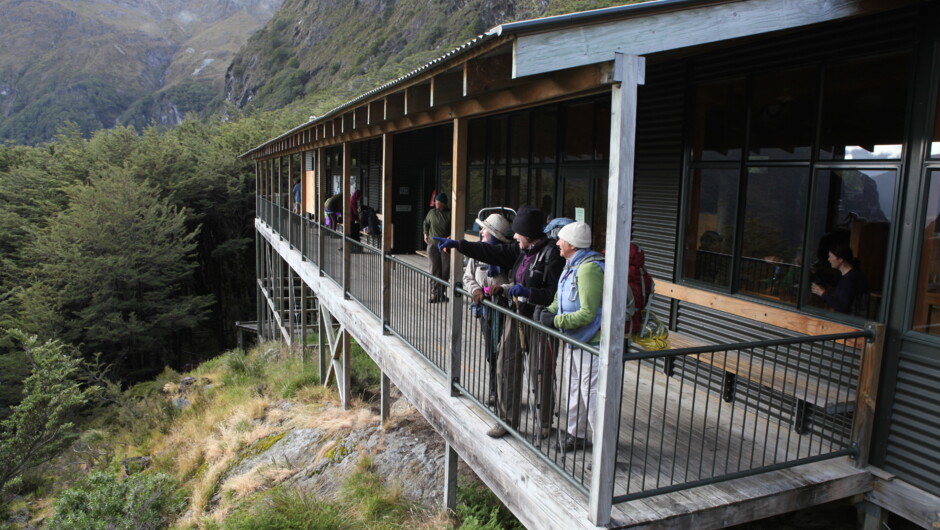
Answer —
579 214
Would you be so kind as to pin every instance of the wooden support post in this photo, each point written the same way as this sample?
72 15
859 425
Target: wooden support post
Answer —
450 478
303 322
876 517
259 272
321 199
343 378
290 226
347 222
388 216
869 373
321 344
629 73
385 405
457 215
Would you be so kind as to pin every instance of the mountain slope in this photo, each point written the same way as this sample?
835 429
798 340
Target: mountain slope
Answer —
106 62
328 51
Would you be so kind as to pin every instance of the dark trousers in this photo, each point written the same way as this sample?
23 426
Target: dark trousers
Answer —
539 356
439 266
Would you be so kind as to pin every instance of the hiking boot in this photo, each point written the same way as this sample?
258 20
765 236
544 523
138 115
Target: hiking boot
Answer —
491 401
497 431
573 443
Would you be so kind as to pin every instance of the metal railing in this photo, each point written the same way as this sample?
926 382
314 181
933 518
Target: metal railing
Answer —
294 233
678 433
525 375
688 417
332 258
365 271
413 317
311 235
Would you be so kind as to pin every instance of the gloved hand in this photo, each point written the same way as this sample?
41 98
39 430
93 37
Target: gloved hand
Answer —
545 317
443 243
519 291
495 291
493 271
477 296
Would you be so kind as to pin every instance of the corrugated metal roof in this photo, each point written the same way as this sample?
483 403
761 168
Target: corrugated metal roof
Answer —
503 30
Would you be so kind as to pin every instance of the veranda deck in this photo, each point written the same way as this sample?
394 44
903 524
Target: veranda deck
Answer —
670 433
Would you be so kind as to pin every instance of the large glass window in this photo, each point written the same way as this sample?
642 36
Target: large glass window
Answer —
927 304
711 226
935 145
864 104
772 244
719 121
783 111
791 188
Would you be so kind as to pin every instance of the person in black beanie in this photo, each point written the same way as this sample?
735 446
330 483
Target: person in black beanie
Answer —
534 266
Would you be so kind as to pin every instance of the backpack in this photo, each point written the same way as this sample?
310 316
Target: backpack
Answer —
364 212
641 289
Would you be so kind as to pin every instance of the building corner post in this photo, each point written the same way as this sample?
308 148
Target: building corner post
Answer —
629 73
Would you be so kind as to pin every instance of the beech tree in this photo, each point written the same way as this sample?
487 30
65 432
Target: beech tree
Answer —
39 426
112 273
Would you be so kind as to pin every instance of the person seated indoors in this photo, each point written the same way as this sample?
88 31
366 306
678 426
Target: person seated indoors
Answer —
850 284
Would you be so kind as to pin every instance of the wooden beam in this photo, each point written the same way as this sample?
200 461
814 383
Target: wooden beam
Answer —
346 192
619 221
906 500
780 318
458 202
869 375
578 45
376 112
450 478
488 74
394 106
417 98
446 87
388 217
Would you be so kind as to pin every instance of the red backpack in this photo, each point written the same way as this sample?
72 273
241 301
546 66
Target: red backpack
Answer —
641 289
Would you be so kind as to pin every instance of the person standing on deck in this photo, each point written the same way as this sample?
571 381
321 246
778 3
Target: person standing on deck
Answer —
437 224
296 192
481 281
534 266
576 311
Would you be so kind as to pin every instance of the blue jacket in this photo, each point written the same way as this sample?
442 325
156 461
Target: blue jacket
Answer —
577 304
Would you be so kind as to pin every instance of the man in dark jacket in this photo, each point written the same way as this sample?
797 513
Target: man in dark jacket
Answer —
437 224
534 266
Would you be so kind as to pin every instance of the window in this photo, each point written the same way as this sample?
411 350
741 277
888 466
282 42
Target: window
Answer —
927 304
782 172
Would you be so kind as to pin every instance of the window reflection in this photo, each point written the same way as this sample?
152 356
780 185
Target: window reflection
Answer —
774 214
710 229
719 121
852 211
783 115
935 145
927 304
865 124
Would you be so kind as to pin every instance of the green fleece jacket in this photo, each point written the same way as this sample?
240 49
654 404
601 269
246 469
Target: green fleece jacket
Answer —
590 279
437 223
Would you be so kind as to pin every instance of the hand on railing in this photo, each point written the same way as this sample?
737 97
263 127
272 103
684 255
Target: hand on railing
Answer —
443 243
519 291
544 317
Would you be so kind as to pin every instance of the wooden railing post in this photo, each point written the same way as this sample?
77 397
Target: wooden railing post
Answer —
869 373
457 215
628 74
387 216
347 222
320 199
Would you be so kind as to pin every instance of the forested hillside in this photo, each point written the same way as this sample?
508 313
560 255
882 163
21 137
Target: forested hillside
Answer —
329 51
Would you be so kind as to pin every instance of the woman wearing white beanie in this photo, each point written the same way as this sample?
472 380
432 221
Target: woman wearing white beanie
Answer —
576 311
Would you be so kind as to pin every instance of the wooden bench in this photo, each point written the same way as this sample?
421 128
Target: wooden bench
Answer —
736 364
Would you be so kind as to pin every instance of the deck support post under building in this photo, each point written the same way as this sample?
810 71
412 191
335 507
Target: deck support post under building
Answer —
450 478
457 217
386 230
385 406
628 74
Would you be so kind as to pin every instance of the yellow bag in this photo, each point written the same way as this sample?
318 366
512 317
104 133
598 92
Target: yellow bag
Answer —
653 334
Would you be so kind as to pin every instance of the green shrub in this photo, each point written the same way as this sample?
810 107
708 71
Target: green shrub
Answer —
308 377
478 508
284 509
240 364
103 501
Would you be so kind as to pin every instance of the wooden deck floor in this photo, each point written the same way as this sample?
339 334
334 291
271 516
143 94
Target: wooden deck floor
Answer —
670 433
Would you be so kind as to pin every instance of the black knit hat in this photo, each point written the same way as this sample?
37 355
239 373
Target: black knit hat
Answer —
529 222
